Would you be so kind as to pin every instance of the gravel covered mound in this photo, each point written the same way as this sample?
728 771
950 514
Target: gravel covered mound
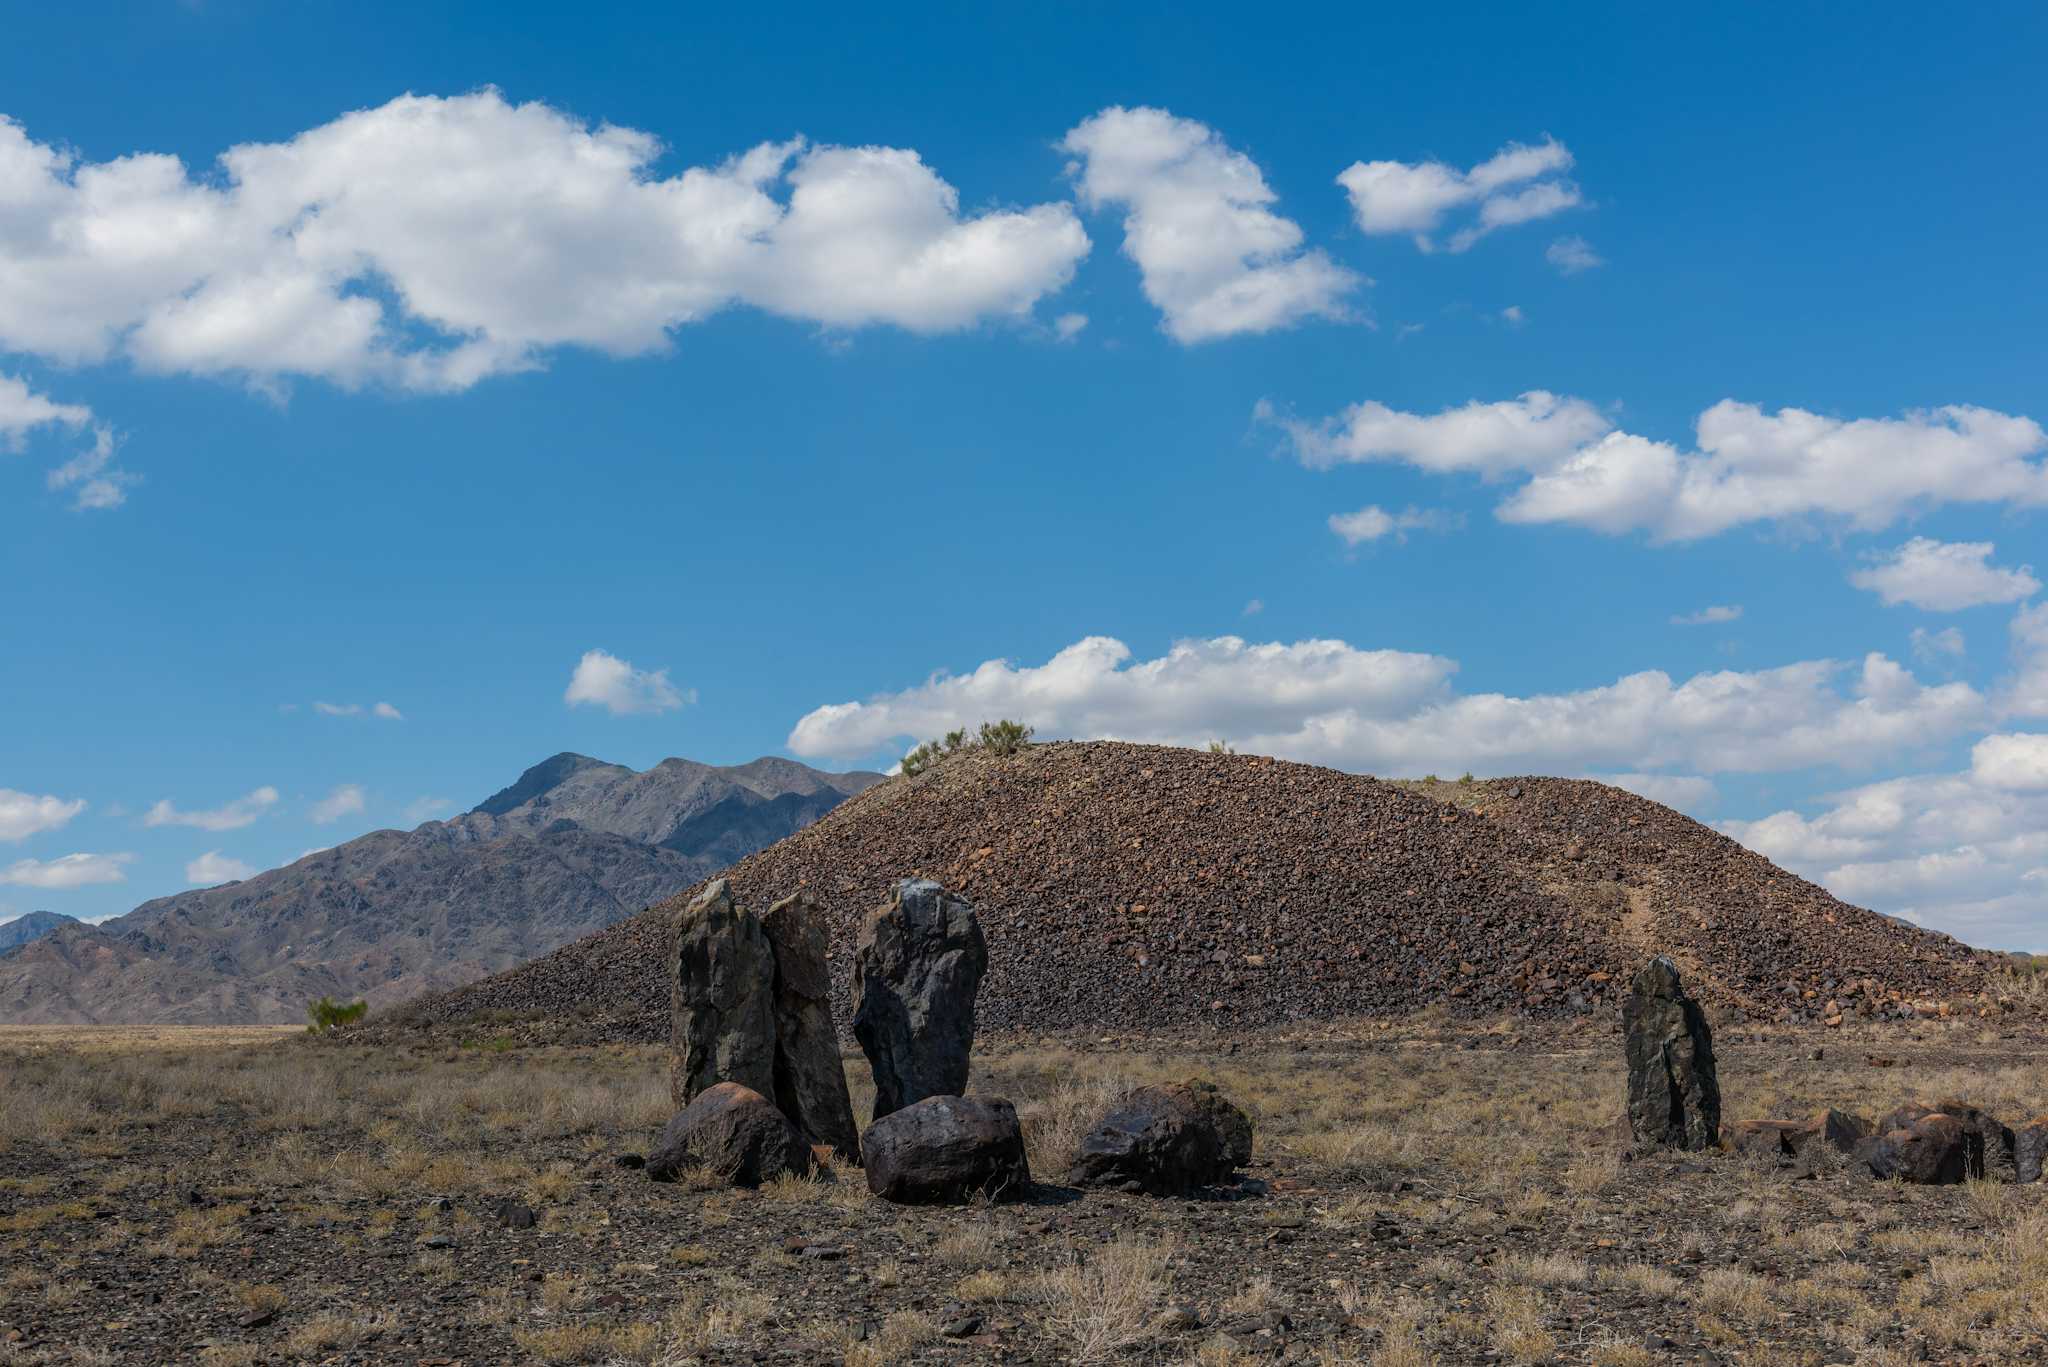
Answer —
1139 887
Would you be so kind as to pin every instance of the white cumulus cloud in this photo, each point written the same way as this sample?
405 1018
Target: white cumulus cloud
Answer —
1517 184
346 799
1938 646
1714 615
427 808
430 242
383 711
98 483
67 871
232 816
213 867
1394 712
2017 761
1214 259
1373 522
1748 466
1944 576
25 814
602 679
1537 430
1688 793
1966 853
1571 255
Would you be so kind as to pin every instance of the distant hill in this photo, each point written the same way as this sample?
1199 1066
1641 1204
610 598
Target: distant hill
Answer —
573 846
31 926
1133 887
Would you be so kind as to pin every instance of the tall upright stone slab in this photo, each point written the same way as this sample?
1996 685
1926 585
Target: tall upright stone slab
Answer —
810 1084
915 976
721 976
1674 1095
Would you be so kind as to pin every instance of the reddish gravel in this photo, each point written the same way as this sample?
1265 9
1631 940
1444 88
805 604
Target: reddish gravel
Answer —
1145 888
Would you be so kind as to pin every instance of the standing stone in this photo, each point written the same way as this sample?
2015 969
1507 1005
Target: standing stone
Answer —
1674 1096
721 976
810 1084
919 965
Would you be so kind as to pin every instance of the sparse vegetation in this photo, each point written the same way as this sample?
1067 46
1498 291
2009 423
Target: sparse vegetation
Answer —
1431 1203
1002 738
326 1014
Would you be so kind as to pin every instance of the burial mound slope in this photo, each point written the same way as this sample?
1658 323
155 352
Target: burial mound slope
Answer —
1137 887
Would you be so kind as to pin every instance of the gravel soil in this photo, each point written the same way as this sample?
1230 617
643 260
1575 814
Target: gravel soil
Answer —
1127 886
1422 1190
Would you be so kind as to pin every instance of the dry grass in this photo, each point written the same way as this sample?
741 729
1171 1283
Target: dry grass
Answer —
1100 1302
1435 1204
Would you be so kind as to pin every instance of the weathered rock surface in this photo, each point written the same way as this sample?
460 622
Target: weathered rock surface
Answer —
1674 1093
1112 882
810 1084
1931 1151
1167 1141
2030 1149
721 997
946 1149
915 977
734 1131
1988 1146
1838 1130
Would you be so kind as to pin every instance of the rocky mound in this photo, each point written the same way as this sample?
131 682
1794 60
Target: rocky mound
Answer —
1137 887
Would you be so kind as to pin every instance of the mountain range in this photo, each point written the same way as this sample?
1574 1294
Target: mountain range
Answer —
31 926
573 846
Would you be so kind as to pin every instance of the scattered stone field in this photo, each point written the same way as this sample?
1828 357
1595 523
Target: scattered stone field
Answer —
1423 1189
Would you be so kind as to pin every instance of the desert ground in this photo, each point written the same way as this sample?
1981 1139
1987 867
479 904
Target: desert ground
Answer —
1423 1190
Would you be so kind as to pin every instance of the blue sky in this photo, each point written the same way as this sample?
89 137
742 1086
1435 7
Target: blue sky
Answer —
1378 388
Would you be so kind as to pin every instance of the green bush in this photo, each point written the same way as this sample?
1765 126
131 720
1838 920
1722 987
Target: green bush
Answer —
1004 737
922 758
325 1014
1220 747
998 738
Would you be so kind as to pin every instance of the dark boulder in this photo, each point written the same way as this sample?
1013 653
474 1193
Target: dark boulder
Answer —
1230 1122
721 978
810 1084
946 1150
735 1132
915 977
1989 1148
1166 1141
1674 1094
1931 1151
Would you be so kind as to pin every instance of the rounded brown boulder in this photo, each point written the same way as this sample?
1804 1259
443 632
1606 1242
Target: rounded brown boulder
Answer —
735 1132
947 1149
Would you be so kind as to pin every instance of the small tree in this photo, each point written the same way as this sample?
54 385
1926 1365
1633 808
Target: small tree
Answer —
1004 737
955 739
1220 747
325 1014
